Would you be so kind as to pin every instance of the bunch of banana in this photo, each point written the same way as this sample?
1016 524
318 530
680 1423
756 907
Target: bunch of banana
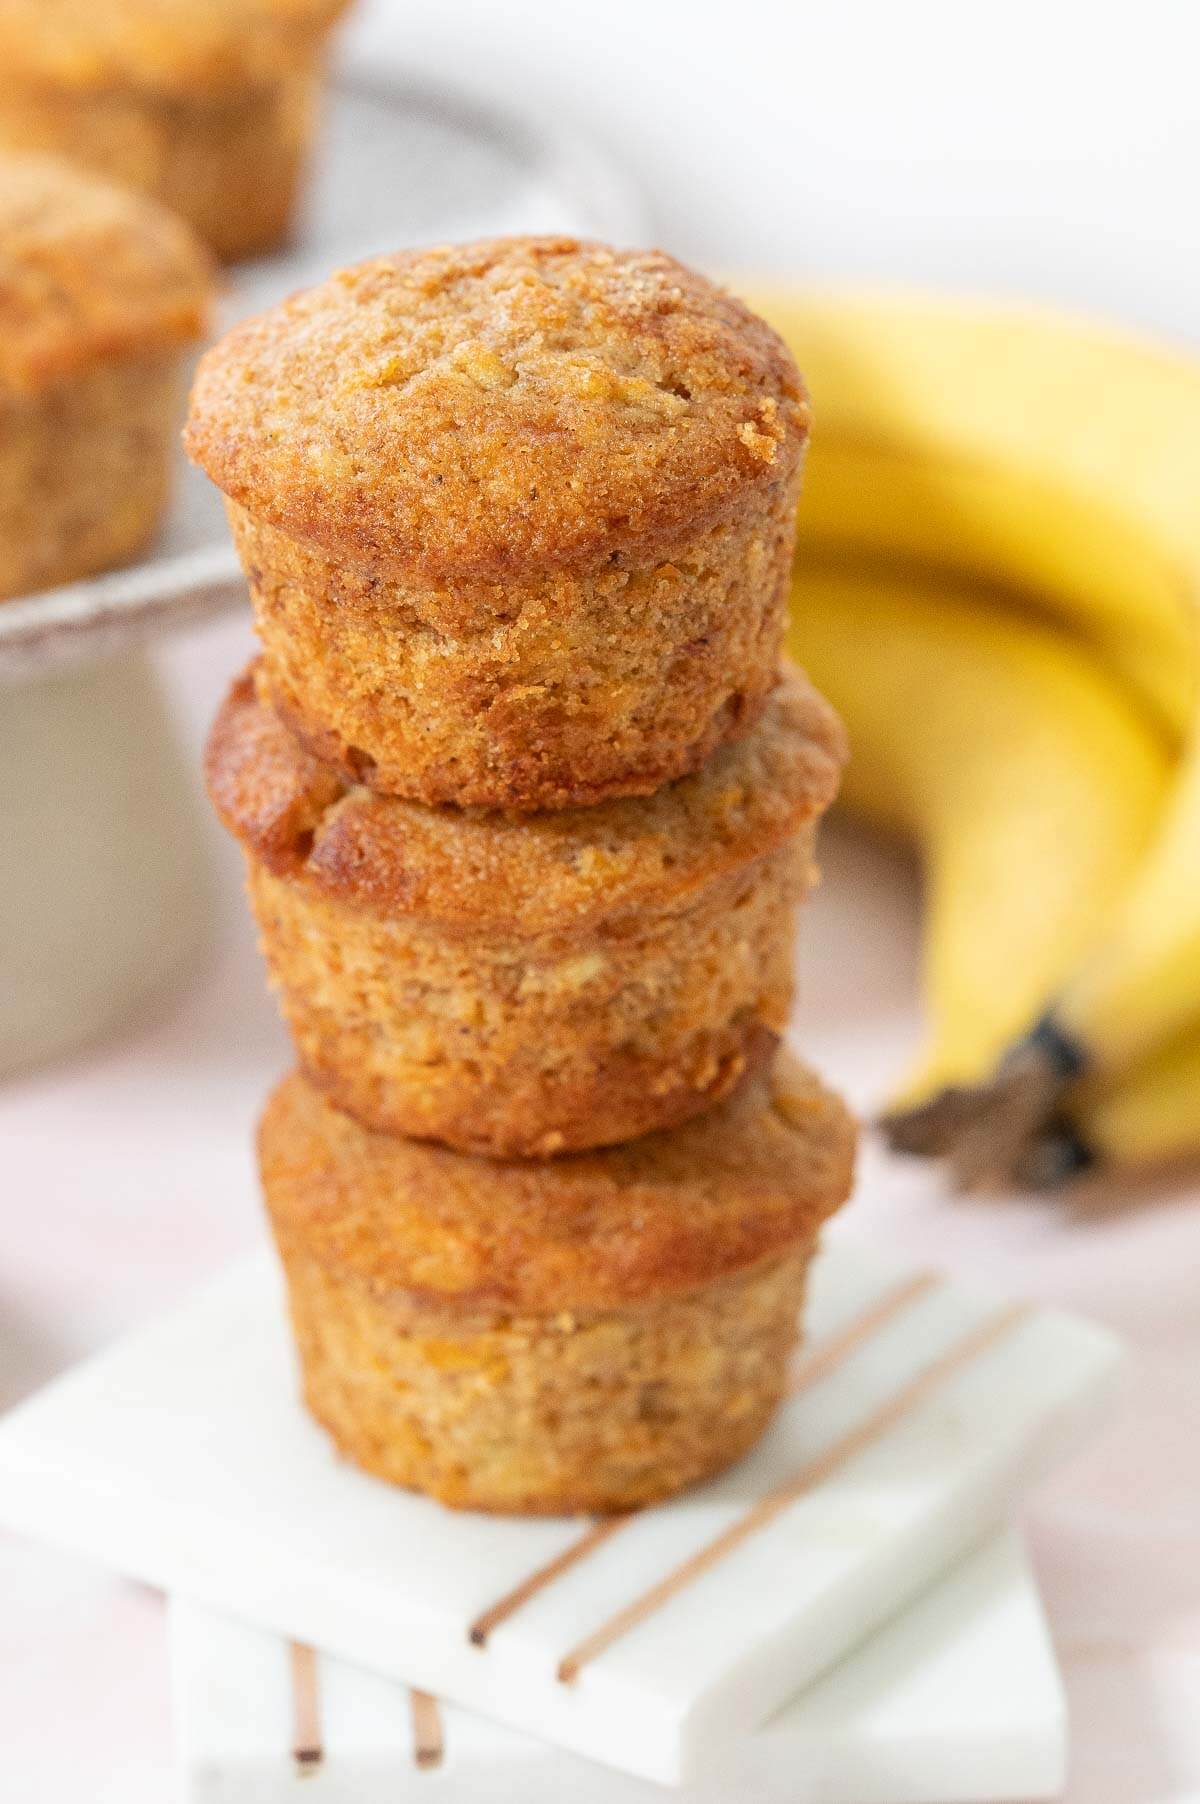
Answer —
1000 587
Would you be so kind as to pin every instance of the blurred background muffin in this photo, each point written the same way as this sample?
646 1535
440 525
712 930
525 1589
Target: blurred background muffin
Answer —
208 105
101 294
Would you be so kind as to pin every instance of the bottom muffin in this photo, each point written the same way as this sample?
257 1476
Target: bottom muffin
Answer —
590 1334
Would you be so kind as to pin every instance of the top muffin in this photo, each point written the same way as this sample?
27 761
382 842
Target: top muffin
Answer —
492 409
88 273
161 46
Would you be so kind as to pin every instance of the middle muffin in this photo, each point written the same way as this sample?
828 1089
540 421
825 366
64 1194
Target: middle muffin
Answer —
529 985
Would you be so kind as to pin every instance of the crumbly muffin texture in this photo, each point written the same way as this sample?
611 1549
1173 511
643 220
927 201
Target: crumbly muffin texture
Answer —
535 1047
515 405
530 985
420 1226
522 876
88 275
598 1411
517 517
562 690
591 1334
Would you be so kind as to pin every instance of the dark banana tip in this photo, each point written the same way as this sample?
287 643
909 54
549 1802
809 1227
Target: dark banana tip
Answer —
1056 1157
988 1131
1052 1046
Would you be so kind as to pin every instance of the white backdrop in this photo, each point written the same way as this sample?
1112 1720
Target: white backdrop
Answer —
1046 147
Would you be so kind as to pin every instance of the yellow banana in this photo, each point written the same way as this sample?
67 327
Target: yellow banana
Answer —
1036 451
1058 457
1020 544
1142 986
1026 777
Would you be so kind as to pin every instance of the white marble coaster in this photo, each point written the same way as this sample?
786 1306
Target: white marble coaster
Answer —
958 1700
921 1409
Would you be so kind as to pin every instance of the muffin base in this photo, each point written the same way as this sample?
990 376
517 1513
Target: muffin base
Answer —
539 693
547 1415
231 165
586 1334
84 472
535 1047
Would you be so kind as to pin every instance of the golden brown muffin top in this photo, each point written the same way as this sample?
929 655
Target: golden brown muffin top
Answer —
489 409
521 874
750 1180
89 272
180 47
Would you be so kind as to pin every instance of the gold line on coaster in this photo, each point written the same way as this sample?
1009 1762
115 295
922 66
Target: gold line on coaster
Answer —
969 1347
545 1575
824 1359
830 1353
307 1751
428 1737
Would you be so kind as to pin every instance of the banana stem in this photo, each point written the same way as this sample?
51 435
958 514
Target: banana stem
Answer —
1057 1156
986 1131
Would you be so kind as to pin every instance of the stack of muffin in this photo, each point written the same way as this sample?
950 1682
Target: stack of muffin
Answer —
528 807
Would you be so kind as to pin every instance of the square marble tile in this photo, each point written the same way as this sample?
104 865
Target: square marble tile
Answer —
956 1700
922 1408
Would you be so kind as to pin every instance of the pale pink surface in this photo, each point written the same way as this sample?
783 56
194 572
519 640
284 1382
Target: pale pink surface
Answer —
127 1177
